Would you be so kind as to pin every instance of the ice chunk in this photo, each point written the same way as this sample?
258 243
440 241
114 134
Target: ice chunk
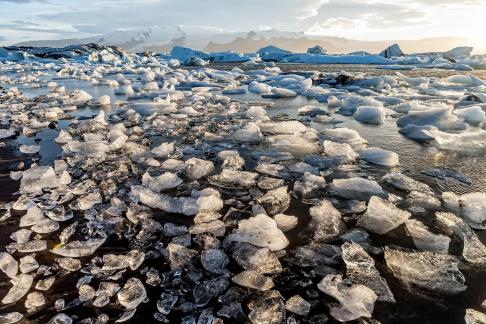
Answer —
262 231
267 307
28 264
405 183
37 178
164 149
78 249
283 93
440 117
104 100
470 206
382 216
6 133
434 272
88 201
132 294
197 168
465 80
285 222
326 222
379 156
10 318
424 239
35 299
29 149
162 182
275 201
180 256
60 318
261 260
370 115
214 260
473 115
345 135
355 300
283 127
249 134
21 285
298 305
8 265
360 269
232 179
356 189
333 149
253 280
392 51
33 216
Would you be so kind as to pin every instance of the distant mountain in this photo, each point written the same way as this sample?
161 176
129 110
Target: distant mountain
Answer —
163 38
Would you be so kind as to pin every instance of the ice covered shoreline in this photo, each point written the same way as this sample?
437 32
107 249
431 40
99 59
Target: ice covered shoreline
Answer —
172 201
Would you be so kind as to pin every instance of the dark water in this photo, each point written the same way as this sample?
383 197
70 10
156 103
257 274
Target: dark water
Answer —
414 158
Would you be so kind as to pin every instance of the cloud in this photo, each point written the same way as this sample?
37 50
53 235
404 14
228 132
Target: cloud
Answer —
23 1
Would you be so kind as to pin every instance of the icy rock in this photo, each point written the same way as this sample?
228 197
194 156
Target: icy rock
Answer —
197 168
8 265
355 300
260 260
360 269
162 182
163 150
275 201
405 183
474 251
379 156
214 260
382 216
253 280
370 115
424 239
326 222
132 293
249 134
261 231
35 299
297 305
232 179
285 222
470 206
437 273
21 285
78 249
356 189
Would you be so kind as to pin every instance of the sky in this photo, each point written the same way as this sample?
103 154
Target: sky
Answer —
23 20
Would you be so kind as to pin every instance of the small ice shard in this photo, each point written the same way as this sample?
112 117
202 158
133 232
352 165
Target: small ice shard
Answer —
135 259
356 189
35 299
326 222
86 292
21 285
379 156
261 231
405 183
275 201
11 318
166 303
426 240
311 186
253 280
360 269
437 273
177 205
60 318
104 100
78 249
164 149
114 262
162 182
33 216
214 260
232 179
28 264
180 256
370 115
132 293
474 317
355 300
8 265
88 201
382 216
471 207
249 134
268 183
286 222
45 284
32 246
29 149
45 226
37 178
473 251
261 260
298 305
267 307
343 150
197 168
